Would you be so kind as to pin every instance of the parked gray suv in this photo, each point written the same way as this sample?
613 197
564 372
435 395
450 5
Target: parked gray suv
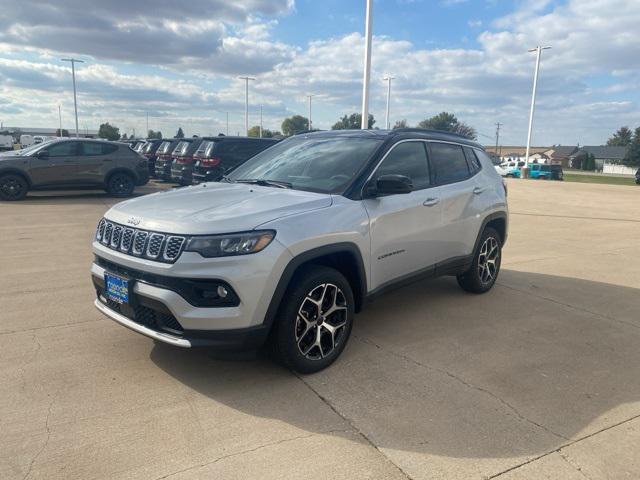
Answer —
72 163
288 246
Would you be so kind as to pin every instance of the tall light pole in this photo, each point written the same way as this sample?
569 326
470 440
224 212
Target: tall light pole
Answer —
260 121
246 102
388 79
227 124
73 74
310 124
59 121
147 123
364 124
538 51
497 135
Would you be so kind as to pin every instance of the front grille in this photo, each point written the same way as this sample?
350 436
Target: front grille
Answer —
140 243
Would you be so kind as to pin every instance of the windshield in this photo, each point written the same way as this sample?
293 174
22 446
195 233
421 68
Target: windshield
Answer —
318 164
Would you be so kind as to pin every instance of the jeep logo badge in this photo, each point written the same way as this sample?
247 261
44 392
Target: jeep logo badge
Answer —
134 221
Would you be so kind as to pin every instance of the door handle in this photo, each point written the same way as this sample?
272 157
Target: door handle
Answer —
478 190
430 202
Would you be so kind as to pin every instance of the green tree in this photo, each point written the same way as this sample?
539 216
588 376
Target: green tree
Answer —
65 133
447 122
110 132
295 124
352 122
632 158
179 133
622 138
400 124
154 134
255 132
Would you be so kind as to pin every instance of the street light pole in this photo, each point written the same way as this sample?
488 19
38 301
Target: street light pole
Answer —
227 124
538 51
260 121
388 79
73 74
364 124
246 103
59 121
497 135
310 123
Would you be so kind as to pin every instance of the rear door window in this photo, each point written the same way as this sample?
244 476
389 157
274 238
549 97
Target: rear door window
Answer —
449 163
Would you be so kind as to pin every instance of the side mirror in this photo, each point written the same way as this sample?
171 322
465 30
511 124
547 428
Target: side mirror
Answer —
42 154
390 185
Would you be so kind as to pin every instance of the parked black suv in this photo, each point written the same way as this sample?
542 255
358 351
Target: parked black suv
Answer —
164 158
182 164
149 151
72 163
217 156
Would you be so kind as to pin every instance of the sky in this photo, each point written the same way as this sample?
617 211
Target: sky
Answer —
177 64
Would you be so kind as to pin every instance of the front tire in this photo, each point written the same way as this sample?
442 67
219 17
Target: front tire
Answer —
13 187
120 184
486 264
315 320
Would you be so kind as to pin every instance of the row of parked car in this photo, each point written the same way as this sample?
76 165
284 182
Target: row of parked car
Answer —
540 171
188 161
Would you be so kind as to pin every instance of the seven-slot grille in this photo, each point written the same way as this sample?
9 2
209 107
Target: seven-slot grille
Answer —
140 243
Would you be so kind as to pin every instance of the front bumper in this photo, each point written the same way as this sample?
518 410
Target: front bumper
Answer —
166 311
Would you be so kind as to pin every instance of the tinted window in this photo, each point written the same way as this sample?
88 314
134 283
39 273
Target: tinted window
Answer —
408 159
449 163
164 148
472 160
63 149
95 148
202 149
315 163
181 148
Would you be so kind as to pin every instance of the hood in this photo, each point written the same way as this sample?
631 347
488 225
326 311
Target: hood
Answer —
212 208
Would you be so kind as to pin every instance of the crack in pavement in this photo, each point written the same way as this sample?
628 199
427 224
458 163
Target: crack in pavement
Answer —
568 305
576 217
46 442
561 447
353 426
250 450
35 329
565 457
465 383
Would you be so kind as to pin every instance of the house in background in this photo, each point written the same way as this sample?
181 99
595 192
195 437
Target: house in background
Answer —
608 159
562 154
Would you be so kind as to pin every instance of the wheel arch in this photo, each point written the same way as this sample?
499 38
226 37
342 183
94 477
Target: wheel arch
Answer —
16 171
344 257
499 222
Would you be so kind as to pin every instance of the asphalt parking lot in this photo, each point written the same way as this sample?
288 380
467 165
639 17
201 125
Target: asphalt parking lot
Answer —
540 378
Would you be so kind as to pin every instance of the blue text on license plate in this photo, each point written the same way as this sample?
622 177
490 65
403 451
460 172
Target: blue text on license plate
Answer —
116 288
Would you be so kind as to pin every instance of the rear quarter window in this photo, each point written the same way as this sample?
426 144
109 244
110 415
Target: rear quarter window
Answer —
448 162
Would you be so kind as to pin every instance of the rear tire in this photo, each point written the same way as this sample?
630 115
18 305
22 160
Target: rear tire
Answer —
120 184
485 267
13 187
314 321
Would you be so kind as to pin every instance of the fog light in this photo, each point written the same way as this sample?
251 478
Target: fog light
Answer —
222 292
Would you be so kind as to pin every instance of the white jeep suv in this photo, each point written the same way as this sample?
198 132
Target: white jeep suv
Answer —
291 244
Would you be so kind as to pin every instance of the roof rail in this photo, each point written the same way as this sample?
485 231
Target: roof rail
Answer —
429 130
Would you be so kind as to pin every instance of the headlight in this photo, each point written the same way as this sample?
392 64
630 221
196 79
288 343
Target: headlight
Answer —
230 244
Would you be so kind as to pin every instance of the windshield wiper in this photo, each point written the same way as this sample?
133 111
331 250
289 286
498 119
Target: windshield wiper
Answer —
266 183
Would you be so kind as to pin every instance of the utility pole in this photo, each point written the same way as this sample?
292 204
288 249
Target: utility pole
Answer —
388 79
497 135
260 121
147 123
59 120
75 100
246 103
310 124
538 51
227 124
364 124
